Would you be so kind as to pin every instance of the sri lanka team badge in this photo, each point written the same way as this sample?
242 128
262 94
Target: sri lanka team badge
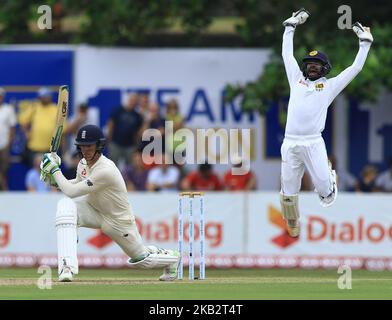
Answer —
319 86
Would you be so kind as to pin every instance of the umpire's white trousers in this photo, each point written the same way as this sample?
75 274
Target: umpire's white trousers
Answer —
298 153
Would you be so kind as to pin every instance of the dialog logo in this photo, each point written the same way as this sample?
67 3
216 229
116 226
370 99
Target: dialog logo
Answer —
282 240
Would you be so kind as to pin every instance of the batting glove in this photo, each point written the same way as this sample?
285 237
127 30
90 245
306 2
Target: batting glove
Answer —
49 164
53 182
48 179
298 17
362 32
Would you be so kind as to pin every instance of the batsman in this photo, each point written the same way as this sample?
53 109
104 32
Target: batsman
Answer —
97 198
311 93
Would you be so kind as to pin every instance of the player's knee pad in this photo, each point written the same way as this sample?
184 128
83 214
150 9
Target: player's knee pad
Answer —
289 206
66 214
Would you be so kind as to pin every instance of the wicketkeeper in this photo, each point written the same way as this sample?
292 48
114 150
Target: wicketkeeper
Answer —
98 199
311 93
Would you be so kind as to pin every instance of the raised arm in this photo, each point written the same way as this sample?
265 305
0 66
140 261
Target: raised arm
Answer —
290 64
292 69
346 76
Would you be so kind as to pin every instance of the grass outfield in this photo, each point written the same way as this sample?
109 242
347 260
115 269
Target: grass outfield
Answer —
227 284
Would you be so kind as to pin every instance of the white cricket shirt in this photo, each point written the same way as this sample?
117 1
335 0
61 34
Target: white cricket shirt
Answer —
7 121
309 100
104 186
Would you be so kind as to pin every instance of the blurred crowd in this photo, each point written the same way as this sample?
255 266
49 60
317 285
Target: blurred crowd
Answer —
124 131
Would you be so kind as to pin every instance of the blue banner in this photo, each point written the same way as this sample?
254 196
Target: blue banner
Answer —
22 73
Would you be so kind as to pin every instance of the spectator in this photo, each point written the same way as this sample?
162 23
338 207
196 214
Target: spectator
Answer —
153 120
32 180
346 181
135 174
367 182
80 118
202 180
71 162
236 182
163 177
38 122
173 115
384 180
143 102
124 131
7 133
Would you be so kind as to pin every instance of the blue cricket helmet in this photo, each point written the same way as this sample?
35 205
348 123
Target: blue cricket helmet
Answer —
317 56
90 134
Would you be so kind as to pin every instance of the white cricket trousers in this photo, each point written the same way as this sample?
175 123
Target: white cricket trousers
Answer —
298 153
124 233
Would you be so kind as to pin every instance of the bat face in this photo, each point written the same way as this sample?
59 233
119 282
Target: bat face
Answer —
62 111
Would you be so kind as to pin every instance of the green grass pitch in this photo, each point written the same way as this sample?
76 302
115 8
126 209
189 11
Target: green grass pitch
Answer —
229 284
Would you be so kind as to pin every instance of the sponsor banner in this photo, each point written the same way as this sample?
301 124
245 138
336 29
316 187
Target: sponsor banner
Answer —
242 230
358 224
220 261
27 223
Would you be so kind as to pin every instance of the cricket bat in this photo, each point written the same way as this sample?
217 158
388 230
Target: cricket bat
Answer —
62 111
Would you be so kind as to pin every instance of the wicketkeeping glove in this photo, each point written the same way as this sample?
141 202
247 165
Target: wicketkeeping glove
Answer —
298 17
362 32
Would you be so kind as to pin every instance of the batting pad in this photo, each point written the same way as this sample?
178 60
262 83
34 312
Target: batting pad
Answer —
155 260
290 207
66 225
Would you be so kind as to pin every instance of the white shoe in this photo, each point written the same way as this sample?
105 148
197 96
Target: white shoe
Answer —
330 199
170 273
66 274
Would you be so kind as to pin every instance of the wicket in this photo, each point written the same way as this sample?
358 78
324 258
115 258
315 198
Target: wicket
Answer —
190 196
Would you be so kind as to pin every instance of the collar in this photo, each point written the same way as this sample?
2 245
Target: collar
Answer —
99 160
322 79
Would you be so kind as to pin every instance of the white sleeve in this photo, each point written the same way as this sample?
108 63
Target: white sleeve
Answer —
173 176
380 181
12 119
293 71
339 82
94 183
73 181
152 176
